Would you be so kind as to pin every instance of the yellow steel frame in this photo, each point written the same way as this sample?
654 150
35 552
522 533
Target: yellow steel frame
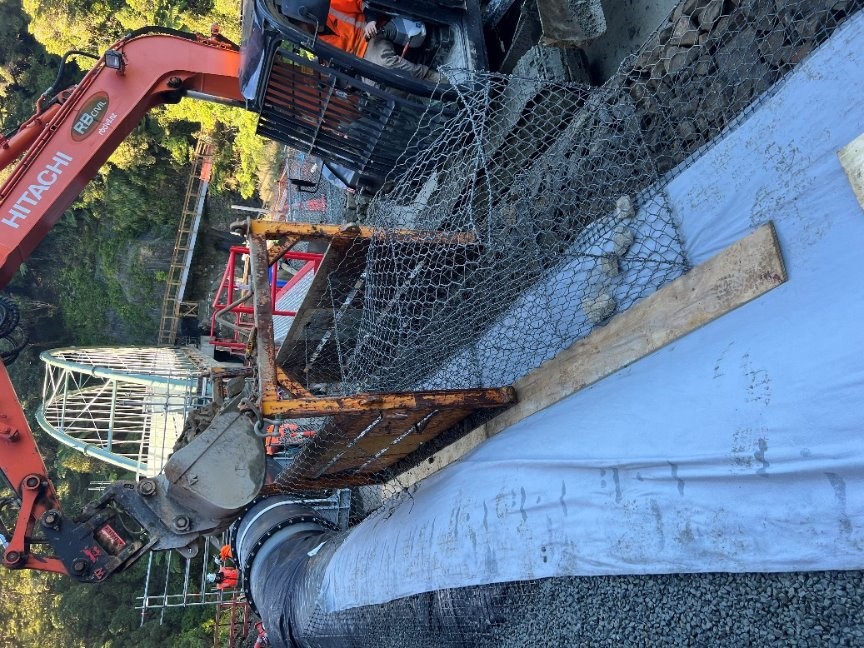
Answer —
300 403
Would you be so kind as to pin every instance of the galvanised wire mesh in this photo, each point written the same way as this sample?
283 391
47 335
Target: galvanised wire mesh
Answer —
562 185
558 189
557 192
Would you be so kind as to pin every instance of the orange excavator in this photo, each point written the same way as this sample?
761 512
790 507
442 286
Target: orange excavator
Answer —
58 151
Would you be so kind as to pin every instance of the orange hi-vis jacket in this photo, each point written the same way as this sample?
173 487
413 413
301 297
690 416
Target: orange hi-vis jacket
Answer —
346 21
229 578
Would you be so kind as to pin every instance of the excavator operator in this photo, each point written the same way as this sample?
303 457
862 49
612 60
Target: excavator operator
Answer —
346 25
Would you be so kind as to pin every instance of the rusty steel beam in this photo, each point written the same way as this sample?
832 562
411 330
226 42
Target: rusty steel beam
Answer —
310 231
265 346
427 400
294 386
220 373
276 251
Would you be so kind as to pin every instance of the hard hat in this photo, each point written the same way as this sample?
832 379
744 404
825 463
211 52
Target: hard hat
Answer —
211 578
311 12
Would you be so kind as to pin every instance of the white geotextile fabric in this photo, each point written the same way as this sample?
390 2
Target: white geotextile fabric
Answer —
737 448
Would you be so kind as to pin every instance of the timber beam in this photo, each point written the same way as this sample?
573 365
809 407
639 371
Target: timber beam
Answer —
272 230
407 401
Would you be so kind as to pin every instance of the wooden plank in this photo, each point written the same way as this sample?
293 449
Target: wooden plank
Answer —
852 158
740 273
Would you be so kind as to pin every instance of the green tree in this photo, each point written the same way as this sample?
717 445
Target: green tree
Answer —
94 277
26 69
63 25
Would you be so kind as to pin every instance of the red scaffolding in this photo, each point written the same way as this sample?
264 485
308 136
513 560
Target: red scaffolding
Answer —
232 305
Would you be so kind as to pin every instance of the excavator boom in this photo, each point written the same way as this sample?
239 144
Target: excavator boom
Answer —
66 147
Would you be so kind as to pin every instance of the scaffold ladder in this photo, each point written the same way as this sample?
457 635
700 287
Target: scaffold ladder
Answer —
174 309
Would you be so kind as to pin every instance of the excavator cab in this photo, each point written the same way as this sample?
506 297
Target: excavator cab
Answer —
360 118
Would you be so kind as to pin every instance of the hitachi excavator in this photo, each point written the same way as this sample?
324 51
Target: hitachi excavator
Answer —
329 103
57 151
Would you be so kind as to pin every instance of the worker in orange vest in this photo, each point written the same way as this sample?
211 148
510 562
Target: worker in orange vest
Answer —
344 24
263 640
285 436
225 579
275 441
348 25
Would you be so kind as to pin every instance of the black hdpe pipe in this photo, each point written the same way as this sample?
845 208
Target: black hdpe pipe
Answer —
283 550
277 543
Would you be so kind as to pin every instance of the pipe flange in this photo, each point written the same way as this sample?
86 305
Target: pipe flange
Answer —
246 567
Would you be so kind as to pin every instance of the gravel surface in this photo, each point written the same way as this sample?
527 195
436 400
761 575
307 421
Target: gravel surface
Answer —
791 609
797 609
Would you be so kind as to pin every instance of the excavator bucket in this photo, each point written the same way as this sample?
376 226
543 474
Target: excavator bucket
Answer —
203 487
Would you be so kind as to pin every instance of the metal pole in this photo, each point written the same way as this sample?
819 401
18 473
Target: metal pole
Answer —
256 210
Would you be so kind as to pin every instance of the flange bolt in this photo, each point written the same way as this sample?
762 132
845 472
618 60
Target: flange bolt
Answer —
146 487
181 523
13 558
51 519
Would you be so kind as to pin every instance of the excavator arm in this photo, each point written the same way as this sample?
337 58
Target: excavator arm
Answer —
57 152
24 470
